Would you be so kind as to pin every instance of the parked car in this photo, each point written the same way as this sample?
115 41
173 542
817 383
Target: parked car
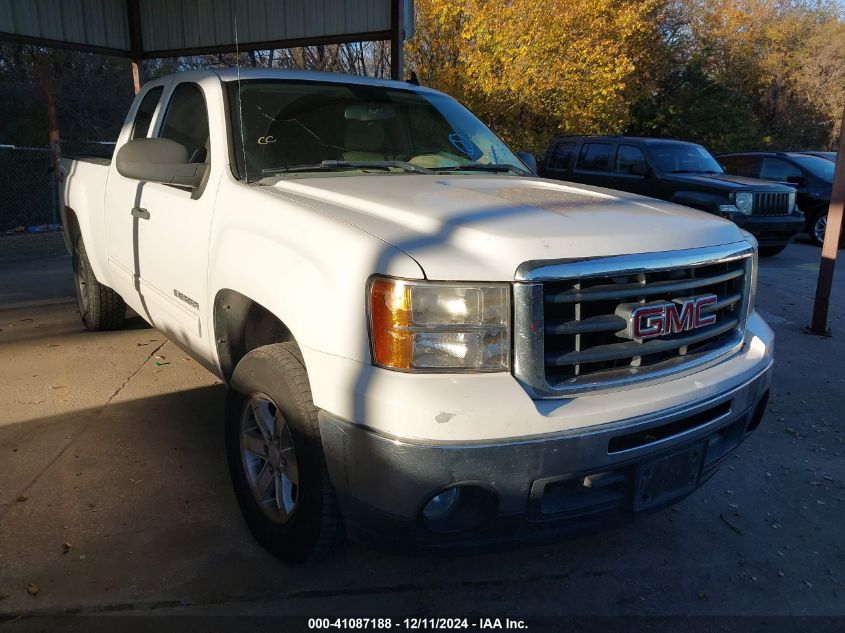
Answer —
680 172
811 175
425 346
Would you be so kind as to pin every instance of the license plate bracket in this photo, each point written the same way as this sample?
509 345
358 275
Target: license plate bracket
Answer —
669 477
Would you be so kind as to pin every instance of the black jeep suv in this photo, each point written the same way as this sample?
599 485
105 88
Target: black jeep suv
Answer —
680 172
811 175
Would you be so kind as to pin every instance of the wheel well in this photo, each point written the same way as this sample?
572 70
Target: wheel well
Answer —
72 223
242 325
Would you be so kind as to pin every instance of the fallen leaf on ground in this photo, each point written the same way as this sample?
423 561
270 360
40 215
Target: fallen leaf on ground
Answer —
730 525
66 547
22 498
33 589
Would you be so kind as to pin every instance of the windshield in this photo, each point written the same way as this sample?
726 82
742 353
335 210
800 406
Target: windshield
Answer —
680 158
819 167
297 126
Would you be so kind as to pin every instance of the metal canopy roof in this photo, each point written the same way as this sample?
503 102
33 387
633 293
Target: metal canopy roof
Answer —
141 29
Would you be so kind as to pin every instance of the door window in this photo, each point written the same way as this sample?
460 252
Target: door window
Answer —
594 156
146 109
186 121
627 156
561 156
778 169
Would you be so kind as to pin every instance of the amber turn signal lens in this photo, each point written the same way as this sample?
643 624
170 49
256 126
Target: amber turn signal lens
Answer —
390 313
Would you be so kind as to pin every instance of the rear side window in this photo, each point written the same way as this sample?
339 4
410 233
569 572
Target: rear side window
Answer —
778 169
740 165
561 156
594 156
186 121
626 157
144 116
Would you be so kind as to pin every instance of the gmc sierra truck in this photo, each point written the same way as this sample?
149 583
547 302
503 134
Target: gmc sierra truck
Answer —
426 346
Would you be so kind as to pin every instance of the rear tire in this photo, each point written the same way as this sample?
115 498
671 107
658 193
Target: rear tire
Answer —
771 251
100 307
275 456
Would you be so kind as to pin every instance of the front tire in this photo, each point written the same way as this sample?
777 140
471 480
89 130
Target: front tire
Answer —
100 307
276 457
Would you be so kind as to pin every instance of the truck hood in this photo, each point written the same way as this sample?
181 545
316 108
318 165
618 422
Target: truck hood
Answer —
482 227
727 182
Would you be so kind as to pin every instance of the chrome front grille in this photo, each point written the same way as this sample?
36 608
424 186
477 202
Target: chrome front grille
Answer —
568 328
771 204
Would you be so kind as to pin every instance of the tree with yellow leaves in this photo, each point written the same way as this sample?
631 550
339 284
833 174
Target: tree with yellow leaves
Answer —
531 69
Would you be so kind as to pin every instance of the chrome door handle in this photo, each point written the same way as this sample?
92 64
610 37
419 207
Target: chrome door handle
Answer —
138 212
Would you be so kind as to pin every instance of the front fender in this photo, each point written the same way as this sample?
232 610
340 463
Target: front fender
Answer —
307 268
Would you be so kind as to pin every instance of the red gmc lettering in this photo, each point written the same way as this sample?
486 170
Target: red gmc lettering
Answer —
670 318
649 321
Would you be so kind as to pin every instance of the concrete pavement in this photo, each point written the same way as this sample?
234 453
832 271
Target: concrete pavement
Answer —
114 494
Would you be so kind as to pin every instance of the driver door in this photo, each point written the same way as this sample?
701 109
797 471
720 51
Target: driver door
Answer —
172 225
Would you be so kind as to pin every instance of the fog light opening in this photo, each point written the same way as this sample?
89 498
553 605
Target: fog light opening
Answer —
459 508
759 411
441 505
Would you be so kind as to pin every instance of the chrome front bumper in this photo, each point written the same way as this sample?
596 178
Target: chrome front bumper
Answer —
538 482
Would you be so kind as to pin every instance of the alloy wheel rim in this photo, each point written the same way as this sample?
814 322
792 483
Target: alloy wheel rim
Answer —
269 458
819 228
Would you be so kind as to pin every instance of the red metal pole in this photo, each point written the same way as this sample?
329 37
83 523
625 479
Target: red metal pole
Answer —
832 235
136 76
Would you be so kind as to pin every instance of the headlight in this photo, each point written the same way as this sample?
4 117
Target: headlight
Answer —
744 201
444 327
792 196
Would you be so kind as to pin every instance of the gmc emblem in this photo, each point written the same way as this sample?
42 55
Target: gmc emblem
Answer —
647 320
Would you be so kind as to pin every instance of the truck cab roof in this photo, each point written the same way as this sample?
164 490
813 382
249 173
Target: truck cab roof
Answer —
243 74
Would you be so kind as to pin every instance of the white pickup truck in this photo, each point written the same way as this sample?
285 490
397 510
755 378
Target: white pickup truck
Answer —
426 346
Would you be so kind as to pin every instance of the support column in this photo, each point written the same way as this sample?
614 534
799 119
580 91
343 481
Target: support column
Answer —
397 38
832 235
46 68
136 75
133 15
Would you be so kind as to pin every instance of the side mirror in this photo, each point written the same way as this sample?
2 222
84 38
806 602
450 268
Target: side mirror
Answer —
639 169
529 159
800 181
159 160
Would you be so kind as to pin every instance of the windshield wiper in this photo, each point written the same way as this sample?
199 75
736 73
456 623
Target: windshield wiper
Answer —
482 167
338 165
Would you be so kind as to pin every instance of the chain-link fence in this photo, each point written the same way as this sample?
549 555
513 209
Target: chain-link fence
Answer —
27 188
